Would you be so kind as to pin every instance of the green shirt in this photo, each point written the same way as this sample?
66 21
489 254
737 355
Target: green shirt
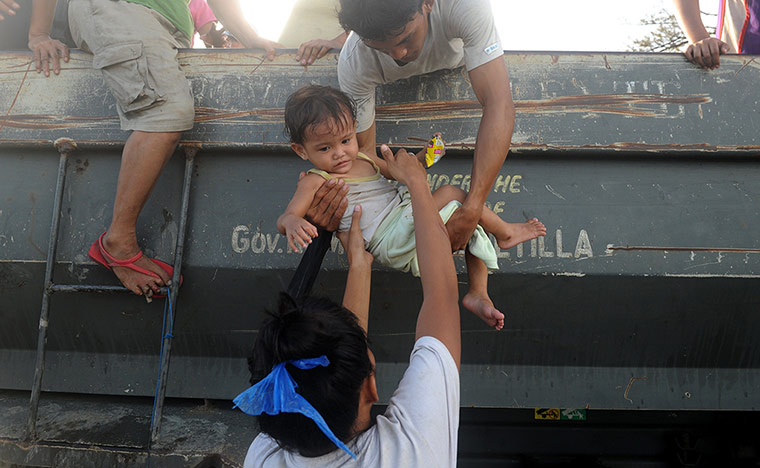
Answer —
175 11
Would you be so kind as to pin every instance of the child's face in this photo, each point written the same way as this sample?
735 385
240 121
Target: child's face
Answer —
330 146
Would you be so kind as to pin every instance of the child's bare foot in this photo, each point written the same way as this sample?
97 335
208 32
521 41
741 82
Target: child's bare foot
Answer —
481 305
517 233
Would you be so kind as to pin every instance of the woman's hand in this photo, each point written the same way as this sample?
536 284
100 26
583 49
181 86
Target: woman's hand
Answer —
403 167
353 241
356 297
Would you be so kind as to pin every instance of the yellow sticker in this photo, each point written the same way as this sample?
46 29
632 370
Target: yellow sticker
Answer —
547 414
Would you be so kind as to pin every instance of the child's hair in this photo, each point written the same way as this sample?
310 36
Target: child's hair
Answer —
309 328
314 105
377 20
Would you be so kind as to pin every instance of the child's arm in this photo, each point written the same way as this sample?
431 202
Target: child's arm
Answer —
292 223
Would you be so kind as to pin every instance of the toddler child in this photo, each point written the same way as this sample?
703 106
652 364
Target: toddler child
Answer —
321 123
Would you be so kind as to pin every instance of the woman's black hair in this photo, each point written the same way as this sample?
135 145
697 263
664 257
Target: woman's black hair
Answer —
377 20
313 105
309 328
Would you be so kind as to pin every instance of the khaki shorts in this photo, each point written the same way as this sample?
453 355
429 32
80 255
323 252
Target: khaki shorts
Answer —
136 50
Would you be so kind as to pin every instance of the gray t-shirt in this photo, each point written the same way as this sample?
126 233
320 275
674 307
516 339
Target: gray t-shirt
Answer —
419 428
462 32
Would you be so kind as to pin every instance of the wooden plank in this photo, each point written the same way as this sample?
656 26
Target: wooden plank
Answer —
571 101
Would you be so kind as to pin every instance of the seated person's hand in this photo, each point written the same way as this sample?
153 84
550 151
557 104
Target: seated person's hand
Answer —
706 53
328 205
353 242
266 44
213 37
8 8
315 49
46 50
403 166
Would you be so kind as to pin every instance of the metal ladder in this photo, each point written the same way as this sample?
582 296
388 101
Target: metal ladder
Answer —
65 147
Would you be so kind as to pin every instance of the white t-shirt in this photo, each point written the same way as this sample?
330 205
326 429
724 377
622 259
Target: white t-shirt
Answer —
462 32
419 428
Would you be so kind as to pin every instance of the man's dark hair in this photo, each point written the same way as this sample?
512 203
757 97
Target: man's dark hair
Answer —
377 20
314 105
309 328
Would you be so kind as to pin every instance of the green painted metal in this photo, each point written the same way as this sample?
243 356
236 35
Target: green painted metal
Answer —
642 295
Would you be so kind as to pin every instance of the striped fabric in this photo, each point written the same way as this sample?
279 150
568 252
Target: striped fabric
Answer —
739 25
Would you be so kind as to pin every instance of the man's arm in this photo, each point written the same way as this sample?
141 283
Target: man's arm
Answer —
490 82
45 49
703 50
231 16
439 314
356 297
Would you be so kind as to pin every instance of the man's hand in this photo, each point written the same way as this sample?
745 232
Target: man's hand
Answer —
8 8
706 52
328 205
403 167
46 50
461 225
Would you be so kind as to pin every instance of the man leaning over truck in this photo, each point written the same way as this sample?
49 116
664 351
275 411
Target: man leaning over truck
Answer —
396 39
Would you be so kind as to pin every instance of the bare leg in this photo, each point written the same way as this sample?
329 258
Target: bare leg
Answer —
476 300
507 234
141 162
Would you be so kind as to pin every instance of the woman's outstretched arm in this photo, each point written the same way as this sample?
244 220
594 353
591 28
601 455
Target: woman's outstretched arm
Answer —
356 297
439 314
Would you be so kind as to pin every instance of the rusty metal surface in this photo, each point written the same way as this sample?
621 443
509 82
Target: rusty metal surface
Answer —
620 102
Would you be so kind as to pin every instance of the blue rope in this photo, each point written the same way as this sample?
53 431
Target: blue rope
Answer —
164 336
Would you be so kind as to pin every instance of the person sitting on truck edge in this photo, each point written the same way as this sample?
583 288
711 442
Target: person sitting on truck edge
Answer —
321 365
135 45
321 123
738 30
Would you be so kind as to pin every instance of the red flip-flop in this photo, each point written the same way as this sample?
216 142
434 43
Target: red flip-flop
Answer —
98 253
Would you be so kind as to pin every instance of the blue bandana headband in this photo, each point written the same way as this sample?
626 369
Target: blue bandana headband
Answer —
276 394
